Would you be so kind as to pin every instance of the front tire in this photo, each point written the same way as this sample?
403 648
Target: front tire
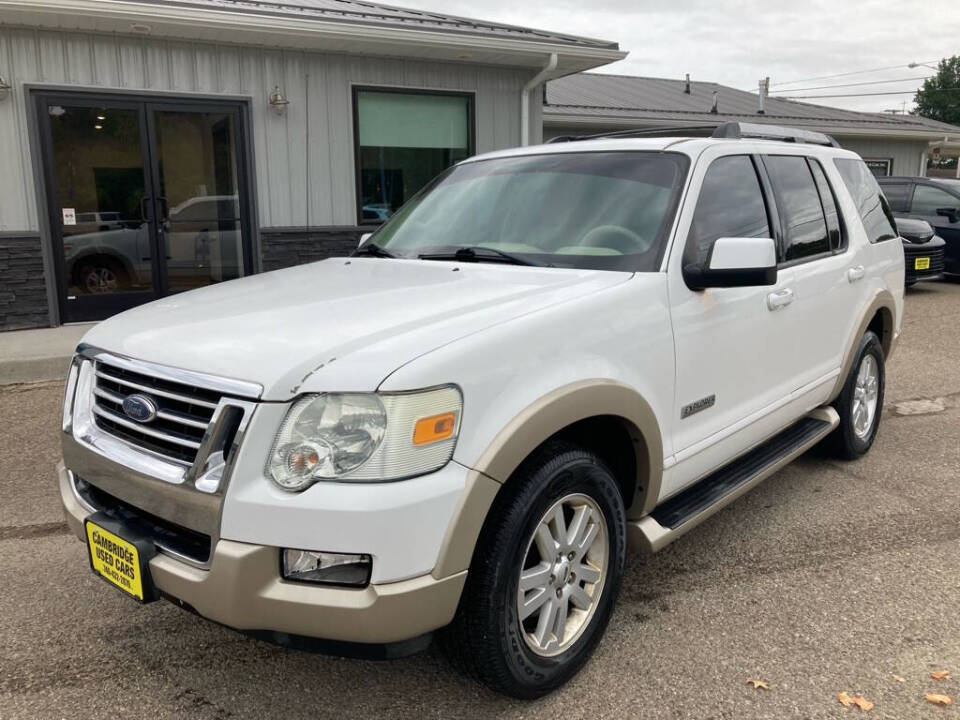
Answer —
545 574
860 403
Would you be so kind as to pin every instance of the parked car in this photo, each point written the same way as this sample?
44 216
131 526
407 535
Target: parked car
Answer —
923 251
548 356
936 200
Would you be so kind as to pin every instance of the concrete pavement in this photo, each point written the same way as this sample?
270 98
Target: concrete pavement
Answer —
38 355
829 577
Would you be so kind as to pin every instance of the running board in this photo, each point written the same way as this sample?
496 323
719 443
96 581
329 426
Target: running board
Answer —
689 508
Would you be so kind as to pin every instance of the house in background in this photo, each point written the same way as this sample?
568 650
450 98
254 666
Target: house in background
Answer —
154 147
593 103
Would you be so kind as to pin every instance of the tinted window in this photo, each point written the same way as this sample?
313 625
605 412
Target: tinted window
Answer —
897 194
730 205
599 210
404 140
805 229
829 202
927 199
871 204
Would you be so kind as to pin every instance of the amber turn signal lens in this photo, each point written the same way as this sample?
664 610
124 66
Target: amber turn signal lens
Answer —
434 428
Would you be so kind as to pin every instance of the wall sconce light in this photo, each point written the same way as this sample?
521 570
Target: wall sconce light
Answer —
4 88
277 101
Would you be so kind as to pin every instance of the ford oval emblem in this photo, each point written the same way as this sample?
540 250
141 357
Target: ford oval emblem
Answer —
140 408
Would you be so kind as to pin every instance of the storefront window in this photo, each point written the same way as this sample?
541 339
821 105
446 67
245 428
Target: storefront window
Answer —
403 141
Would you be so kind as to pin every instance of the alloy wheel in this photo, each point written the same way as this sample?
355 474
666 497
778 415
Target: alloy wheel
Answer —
865 394
562 575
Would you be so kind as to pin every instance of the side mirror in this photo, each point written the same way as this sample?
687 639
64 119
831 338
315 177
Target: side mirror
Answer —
735 262
952 214
364 238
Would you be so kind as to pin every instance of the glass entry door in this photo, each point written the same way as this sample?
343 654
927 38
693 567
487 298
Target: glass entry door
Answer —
146 199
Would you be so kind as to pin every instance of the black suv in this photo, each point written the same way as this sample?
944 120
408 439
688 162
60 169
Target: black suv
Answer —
936 200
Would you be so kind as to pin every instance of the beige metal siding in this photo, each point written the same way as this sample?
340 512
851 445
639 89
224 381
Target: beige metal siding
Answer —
904 153
304 158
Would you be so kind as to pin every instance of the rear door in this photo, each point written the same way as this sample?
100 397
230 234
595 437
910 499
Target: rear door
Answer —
827 278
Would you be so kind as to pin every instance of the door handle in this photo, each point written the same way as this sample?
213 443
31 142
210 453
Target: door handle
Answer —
779 299
855 273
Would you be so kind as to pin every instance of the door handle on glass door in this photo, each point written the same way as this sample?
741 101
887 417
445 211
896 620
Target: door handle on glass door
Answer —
779 299
855 273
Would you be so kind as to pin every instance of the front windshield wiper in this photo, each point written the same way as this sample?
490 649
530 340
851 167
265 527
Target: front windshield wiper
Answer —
477 253
374 250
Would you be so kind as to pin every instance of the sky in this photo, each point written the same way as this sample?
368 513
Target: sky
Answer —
737 43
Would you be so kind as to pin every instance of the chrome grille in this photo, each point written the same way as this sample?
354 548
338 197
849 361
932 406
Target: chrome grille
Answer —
183 411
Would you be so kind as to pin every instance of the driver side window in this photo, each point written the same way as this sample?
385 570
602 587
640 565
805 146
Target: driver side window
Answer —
927 200
730 205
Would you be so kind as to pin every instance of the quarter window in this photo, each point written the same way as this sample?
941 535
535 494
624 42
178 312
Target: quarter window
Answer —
804 224
871 204
730 205
404 140
927 200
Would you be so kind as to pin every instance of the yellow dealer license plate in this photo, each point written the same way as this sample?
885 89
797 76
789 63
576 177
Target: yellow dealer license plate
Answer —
921 263
121 562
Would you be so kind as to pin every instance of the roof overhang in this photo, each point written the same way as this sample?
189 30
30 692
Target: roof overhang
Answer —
223 26
598 123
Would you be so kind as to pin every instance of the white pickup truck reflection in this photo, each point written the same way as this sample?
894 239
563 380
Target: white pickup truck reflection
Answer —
202 238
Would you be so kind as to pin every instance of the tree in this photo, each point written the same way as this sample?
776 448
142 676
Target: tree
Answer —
939 98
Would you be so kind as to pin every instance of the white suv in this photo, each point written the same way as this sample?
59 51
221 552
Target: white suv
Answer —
548 356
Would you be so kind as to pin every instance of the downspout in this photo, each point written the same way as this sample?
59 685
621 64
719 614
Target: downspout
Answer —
525 98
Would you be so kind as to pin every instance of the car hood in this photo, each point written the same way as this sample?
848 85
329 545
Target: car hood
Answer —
340 324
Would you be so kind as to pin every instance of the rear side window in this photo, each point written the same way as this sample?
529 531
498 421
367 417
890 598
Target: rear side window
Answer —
798 200
898 195
927 200
730 205
871 204
829 202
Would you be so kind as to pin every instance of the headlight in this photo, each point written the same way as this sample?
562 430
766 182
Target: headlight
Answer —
365 437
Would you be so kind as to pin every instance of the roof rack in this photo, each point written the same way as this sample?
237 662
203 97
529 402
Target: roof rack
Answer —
729 130
756 131
665 131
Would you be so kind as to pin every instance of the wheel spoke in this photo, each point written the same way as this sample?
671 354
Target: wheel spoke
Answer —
536 577
560 624
534 602
543 633
579 597
588 573
559 525
578 526
588 539
546 545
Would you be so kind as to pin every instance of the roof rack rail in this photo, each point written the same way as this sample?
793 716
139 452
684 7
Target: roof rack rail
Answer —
756 131
729 130
666 131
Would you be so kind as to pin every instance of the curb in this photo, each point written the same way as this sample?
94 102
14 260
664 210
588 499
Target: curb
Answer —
30 370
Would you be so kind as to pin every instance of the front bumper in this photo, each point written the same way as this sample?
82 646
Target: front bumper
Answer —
933 254
243 589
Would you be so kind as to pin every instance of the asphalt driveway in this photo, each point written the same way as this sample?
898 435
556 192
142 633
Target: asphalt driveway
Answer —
829 577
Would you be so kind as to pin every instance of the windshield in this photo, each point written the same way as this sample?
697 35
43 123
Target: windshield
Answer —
608 211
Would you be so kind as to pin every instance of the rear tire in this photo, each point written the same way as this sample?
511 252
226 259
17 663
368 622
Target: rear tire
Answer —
498 636
860 403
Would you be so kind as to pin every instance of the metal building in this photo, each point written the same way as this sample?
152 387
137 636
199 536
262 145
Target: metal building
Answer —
152 147
592 103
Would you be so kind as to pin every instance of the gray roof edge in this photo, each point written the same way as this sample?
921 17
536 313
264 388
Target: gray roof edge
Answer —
826 115
458 25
